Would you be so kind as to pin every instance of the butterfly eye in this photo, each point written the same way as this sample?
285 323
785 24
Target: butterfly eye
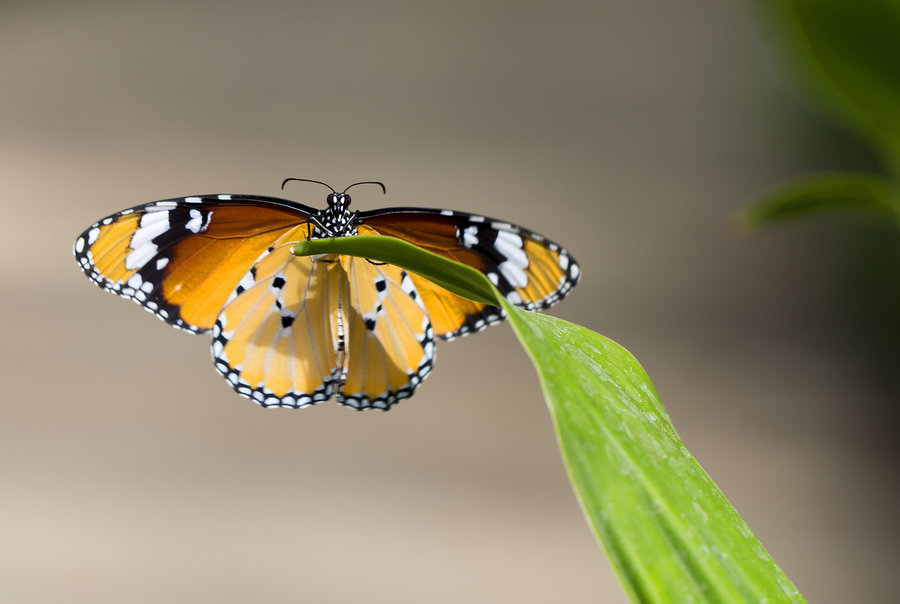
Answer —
332 198
345 199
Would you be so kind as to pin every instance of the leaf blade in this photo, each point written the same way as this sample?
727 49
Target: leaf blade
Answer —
670 532
458 278
860 195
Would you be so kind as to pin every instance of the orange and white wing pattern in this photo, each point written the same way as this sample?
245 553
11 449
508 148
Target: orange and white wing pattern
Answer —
353 329
278 340
389 339
293 331
531 271
182 258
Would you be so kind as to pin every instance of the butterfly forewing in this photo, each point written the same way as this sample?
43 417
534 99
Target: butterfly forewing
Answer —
182 258
530 270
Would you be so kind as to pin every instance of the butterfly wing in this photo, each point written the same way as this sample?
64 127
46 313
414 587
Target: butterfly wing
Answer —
182 258
389 338
299 329
293 331
531 271
278 339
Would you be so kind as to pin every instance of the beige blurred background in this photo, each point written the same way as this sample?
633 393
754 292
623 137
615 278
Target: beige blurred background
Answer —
630 132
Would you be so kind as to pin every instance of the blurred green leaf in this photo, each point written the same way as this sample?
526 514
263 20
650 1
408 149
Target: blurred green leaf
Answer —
867 197
851 51
670 532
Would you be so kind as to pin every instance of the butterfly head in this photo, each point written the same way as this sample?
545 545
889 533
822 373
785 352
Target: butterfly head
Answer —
338 202
336 220
337 217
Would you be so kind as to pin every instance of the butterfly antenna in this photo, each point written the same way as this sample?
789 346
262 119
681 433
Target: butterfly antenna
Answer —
368 182
318 182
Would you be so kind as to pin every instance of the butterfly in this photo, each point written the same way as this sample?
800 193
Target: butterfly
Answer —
292 331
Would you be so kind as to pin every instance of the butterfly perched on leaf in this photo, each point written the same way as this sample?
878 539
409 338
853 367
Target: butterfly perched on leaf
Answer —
291 330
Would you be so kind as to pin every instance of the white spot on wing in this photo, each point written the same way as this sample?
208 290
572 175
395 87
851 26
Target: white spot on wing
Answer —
192 199
152 225
79 245
154 216
514 274
470 236
92 235
196 222
406 284
514 297
510 245
161 263
247 281
140 257
224 197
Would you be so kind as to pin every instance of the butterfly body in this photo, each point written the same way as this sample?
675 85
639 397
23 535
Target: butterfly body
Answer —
336 220
292 331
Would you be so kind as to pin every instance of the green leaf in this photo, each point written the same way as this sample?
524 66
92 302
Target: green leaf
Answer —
860 195
850 51
670 533
458 278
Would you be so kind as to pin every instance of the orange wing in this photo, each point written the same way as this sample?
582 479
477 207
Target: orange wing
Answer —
298 330
389 338
293 331
278 339
182 258
529 269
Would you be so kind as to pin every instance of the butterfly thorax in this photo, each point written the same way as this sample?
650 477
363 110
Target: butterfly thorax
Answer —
336 220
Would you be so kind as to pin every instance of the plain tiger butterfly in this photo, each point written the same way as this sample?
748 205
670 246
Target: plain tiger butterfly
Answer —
293 331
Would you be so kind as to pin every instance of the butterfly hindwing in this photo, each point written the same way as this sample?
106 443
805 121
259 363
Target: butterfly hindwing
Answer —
298 330
182 258
275 340
389 338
